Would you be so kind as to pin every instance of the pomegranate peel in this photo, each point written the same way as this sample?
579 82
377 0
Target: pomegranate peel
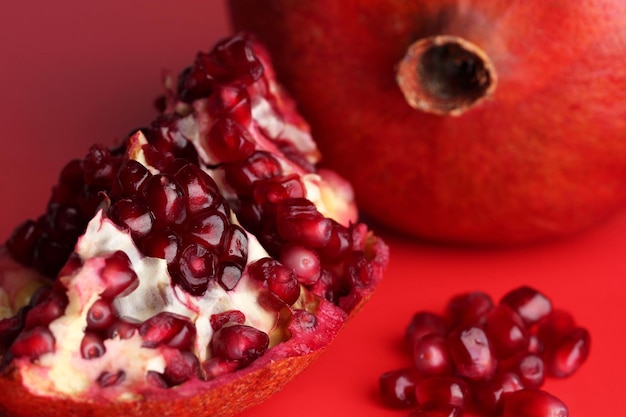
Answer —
139 289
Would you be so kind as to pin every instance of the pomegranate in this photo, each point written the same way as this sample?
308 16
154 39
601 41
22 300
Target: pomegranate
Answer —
192 269
477 126
477 353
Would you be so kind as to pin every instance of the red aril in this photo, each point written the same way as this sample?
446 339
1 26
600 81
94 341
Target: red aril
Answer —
533 403
472 353
397 388
565 357
431 355
443 390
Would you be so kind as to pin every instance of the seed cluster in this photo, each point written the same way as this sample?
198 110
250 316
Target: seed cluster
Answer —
487 358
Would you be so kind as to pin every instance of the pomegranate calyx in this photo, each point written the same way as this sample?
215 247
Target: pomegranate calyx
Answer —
445 75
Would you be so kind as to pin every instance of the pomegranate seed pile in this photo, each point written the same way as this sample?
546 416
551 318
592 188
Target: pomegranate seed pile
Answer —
488 358
188 251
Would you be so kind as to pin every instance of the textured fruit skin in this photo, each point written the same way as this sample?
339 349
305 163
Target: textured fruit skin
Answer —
544 157
223 396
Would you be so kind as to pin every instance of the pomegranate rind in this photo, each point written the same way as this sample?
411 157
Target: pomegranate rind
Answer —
227 394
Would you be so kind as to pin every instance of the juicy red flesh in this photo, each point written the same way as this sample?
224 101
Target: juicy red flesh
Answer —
490 359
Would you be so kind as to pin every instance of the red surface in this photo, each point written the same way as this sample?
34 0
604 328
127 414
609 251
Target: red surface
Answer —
83 72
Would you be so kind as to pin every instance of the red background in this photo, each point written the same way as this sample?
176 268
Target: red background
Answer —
76 72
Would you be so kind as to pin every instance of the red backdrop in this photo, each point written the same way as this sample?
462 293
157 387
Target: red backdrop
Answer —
76 72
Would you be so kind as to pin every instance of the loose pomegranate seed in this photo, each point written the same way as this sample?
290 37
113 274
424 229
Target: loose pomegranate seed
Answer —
506 331
431 355
167 328
437 410
554 327
530 304
488 396
442 390
230 316
298 221
33 343
133 215
468 309
165 197
195 267
472 353
131 176
100 316
423 323
208 228
119 276
228 141
163 243
533 403
303 261
239 343
569 353
200 189
397 388
92 346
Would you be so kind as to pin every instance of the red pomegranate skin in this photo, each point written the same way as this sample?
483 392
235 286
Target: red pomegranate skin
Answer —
543 157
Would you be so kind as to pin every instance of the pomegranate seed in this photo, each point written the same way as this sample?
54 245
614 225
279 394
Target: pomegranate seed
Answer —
472 353
397 388
271 191
122 328
442 390
298 221
21 243
50 255
431 355
10 328
229 275
133 215
530 304
230 316
338 245
437 410
531 370
169 329
468 309
569 354
284 284
131 176
239 343
200 189
304 262
168 139
237 61
100 316
64 223
33 343
181 368
119 276
195 267
98 166
488 396
260 165
231 101
228 141
208 228
91 346
506 331
50 307
163 243
358 270
109 379
423 323
554 327
215 367
533 403
165 197
236 246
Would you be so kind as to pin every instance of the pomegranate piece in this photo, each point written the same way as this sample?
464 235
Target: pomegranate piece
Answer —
554 327
566 357
431 355
506 331
202 244
488 396
530 304
533 403
468 309
397 388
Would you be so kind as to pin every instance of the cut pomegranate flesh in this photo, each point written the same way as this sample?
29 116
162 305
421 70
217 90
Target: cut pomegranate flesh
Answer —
204 252
489 359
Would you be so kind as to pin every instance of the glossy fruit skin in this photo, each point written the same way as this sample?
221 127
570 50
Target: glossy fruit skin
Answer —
542 158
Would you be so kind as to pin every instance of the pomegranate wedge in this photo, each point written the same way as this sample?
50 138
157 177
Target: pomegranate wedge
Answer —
191 270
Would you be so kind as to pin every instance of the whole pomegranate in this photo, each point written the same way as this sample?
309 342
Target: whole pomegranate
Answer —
191 270
483 122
